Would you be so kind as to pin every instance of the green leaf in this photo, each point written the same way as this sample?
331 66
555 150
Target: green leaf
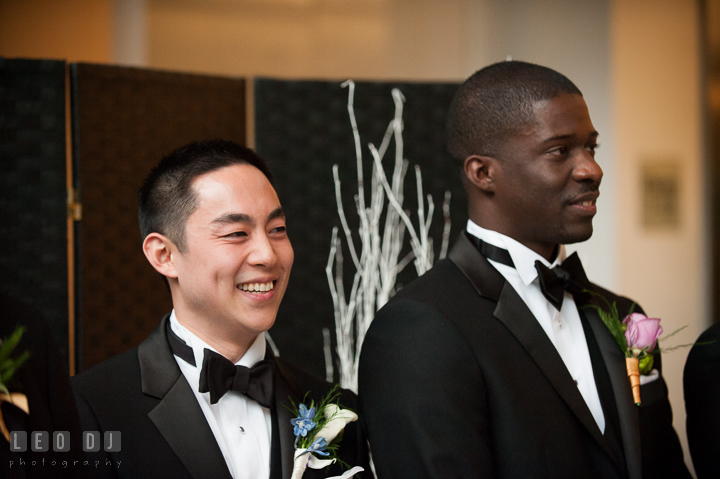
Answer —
8 366
668 336
679 346
645 364
8 344
597 296
12 365
614 313
615 327
610 318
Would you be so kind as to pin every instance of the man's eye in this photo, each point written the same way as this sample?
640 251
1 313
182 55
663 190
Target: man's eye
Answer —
559 151
236 234
591 148
279 229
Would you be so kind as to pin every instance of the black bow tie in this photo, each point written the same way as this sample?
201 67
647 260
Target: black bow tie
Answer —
219 376
568 277
553 282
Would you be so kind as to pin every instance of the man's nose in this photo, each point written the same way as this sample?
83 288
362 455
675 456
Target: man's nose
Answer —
587 168
263 253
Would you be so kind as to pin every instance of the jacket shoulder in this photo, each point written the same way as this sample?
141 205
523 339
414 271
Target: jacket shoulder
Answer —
442 294
444 274
117 375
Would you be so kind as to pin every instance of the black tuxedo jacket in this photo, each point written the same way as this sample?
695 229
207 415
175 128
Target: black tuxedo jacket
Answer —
702 403
458 380
143 394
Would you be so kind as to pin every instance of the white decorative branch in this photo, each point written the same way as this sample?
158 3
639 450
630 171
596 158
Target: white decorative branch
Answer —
378 264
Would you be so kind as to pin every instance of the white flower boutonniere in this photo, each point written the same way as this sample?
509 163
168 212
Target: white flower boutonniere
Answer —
318 432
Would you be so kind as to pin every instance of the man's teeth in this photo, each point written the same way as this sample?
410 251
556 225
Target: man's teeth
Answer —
257 287
587 203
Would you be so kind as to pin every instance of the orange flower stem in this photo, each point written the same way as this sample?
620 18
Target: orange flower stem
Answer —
633 372
19 400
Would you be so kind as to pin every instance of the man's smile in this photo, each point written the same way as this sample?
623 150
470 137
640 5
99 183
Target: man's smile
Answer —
586 202
257 288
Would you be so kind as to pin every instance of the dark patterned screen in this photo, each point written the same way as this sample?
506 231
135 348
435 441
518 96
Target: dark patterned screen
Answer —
33 231
124 121
303 128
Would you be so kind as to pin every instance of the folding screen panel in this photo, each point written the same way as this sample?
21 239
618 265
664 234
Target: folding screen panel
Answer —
124 121
33 198
303 128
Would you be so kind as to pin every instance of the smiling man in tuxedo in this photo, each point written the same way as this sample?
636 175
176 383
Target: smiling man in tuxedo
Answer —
203 396
490 365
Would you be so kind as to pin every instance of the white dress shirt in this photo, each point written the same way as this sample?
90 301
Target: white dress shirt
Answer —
242 428
563 328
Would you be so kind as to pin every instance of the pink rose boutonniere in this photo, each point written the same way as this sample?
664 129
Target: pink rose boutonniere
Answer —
642 332
641 335
637 336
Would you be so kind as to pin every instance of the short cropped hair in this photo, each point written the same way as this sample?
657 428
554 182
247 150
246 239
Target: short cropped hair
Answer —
166 198
496 103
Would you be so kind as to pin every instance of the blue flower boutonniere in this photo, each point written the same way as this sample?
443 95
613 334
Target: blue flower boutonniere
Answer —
8 366
304 422
318 431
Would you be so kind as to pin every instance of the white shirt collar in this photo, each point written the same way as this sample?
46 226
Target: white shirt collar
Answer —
523 257
254 354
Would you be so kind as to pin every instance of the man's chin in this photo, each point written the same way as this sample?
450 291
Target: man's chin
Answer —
258 323
577 235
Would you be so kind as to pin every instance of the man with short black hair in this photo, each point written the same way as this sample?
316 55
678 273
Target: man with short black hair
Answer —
203 396
491 365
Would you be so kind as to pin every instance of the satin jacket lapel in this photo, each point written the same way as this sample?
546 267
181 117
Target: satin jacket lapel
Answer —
512 311
284 389
178 416
627 410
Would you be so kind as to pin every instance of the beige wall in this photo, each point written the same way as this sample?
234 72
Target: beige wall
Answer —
657 104
75 30
276 38
406 39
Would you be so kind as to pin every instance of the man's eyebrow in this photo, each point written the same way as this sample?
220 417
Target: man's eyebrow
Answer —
276 213
230 218
593 134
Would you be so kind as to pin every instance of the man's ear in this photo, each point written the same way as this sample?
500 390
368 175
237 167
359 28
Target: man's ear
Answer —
159 250
480 170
